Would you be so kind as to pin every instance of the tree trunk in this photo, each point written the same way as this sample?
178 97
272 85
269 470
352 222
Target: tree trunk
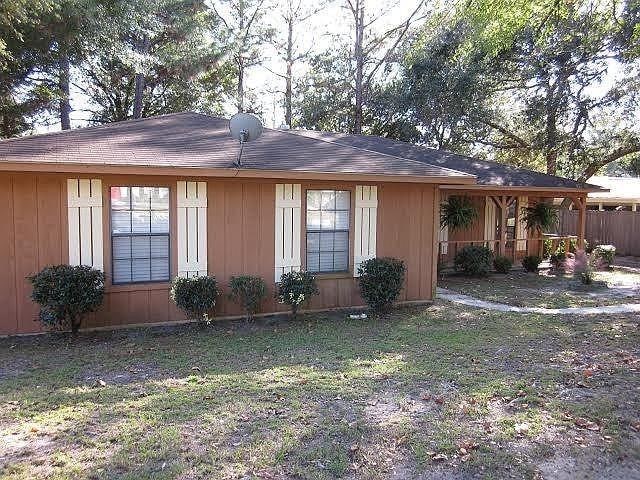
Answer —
359 59
143 49
288 90
240 94
64 76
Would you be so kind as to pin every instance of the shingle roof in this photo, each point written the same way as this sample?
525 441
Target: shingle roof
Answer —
486 172
201 141
620 188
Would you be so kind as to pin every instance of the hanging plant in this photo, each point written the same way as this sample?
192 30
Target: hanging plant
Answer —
458 213
542 217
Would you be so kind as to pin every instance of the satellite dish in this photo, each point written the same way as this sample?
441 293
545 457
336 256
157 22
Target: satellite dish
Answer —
244 127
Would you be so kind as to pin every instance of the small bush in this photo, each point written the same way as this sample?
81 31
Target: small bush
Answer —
531 263
380 281
557 260
248 292
583 265
295 288
502 264
195 296
473 261
66 294
606 253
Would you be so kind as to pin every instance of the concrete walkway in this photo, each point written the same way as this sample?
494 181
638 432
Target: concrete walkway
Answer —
501 307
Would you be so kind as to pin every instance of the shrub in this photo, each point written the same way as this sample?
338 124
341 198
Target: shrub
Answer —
248 291
380 281
66 293
195 296
558 260
531 263
583 265
473 261
541 217
502 264
458 213
605 253
295 288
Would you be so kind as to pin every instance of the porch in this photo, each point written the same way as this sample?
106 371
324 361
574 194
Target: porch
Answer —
500 224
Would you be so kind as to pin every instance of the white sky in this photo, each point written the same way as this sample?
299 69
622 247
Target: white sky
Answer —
315 35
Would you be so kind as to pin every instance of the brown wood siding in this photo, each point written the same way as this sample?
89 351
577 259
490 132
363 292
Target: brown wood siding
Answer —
241 231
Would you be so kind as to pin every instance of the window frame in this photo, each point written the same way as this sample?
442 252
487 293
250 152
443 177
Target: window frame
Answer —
307 230
139 234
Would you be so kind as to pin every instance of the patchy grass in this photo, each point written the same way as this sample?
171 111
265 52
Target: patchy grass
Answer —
439 392
522 289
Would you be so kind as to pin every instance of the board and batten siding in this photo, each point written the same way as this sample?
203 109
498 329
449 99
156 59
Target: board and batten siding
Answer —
240 240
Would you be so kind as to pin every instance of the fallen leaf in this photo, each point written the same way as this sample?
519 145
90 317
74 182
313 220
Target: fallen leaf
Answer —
587 424
439 457
521 428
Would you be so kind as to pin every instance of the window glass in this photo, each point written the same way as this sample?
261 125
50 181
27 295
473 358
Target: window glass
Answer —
140 234
328 230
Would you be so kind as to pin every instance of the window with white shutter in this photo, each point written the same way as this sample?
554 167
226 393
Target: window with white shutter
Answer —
84 203
192 229
287 229
366 221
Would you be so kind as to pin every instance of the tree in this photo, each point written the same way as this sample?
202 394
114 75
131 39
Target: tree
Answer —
177 69
244 27
294 13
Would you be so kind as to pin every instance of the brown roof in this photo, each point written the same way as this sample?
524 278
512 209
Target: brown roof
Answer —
199 141
487 173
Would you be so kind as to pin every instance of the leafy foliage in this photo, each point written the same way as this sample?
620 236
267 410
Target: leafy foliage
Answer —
531 263
248 292
458 213
195 296
66 294
380 281
502 264
474 261
541 217
606 253
295 288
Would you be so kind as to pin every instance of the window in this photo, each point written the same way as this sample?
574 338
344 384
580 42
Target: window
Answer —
328 230
140 234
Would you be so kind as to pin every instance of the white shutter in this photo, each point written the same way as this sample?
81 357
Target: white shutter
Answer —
84 203
192 229
521 227
366 221
490 221
287 238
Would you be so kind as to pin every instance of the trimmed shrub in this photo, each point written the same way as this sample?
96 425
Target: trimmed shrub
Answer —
473 261
606 253
295 288
380 281
195 296
248 292
531 263
66 294
502 264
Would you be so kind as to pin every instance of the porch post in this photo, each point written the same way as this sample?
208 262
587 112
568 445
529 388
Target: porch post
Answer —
581 205
503 204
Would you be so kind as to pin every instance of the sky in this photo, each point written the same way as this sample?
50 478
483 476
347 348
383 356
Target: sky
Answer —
315 35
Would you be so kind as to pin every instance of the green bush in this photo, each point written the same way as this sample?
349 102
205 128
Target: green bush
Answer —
606 253
380 281
558 260
473 261
502 264
195 296
295 288
248 292
531 263
66 294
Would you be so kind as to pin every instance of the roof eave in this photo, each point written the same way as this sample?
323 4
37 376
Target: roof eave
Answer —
150 170
523 188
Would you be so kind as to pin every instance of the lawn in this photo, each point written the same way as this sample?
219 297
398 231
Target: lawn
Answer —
440 392
546 290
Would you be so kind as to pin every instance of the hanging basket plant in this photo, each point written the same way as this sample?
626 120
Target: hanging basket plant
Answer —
458 213
542 217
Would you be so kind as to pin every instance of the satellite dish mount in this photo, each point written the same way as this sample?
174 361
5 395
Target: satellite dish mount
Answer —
245 128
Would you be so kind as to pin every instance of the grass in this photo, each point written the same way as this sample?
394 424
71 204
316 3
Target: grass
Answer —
522 289
442 390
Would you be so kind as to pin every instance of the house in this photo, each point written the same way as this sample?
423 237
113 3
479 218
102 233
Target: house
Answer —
623 194
145 200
